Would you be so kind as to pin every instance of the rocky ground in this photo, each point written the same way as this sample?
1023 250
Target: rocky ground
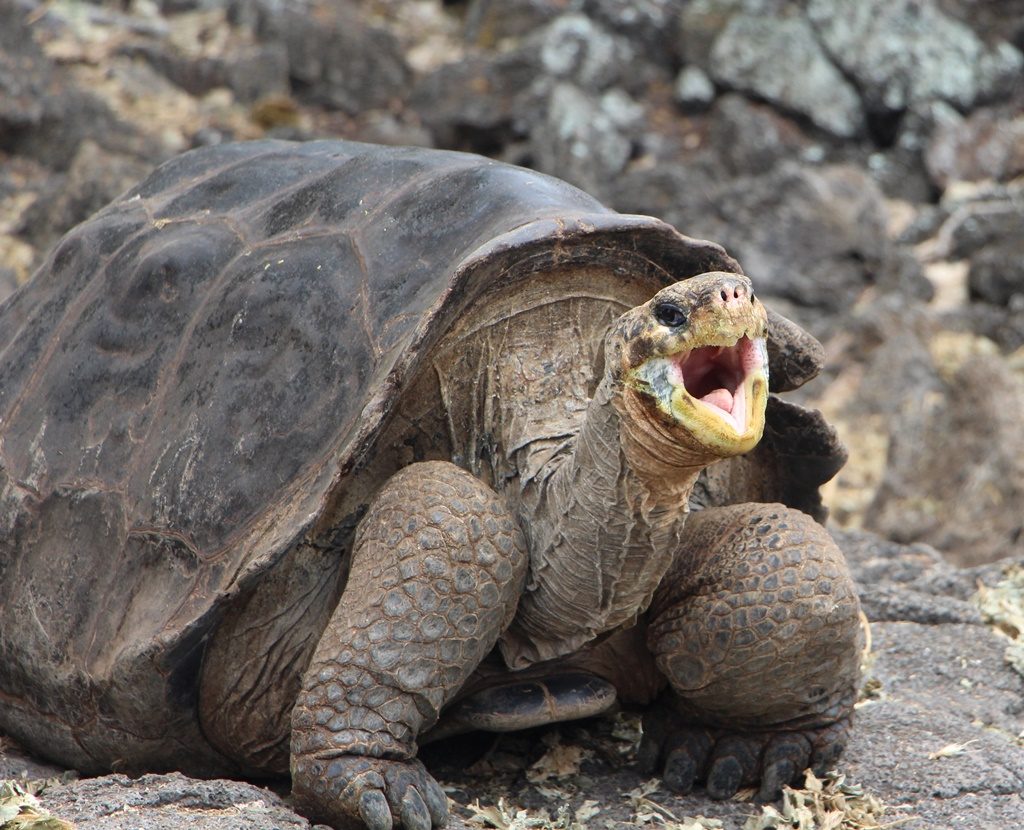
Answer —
865 163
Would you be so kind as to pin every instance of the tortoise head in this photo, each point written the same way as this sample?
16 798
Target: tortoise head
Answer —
693 362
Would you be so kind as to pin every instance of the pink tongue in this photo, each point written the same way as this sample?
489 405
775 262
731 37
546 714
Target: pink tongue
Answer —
722 398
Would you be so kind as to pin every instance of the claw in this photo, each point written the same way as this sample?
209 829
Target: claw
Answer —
828 745
735 763
686 759
380 793
688 753
374 810
786 755
681 771
436 801
414 812
774 778
724 778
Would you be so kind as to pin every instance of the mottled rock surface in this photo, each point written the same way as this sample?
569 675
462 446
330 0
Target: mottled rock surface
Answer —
169 802
905 52
782 61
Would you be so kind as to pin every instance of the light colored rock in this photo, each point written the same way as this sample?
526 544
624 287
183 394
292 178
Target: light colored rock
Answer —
905 52
584 138
781 61
694 89
574 48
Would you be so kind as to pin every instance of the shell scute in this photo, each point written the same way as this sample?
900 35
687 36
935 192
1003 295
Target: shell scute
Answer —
227 188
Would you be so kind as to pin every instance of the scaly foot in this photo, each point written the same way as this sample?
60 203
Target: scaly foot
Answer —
378 793
687 753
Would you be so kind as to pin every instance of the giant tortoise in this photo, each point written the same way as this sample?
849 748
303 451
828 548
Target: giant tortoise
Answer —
314 452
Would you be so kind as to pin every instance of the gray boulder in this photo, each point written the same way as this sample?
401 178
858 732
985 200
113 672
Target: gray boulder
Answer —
488 23
750 138
585 138
574 48
988 144
702 21
25 73
649 25
482 102
906 52
694 89
814 236
931 412
335 57
986 229
781 61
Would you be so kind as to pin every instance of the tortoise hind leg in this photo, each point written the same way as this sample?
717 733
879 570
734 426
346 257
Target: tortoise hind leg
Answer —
437 568
757 629
253 665
514 704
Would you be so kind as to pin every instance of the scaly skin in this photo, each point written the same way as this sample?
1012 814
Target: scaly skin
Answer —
756 626
437 569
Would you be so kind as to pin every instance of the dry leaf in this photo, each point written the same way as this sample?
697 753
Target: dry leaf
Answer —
497 815
560 761
21 810
551 793
648 811
503 817
587 810
828 803
951 750
628 728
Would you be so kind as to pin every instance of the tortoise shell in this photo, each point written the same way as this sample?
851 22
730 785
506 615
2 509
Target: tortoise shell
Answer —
188 380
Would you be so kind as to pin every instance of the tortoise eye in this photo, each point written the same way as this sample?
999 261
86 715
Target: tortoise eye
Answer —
669 314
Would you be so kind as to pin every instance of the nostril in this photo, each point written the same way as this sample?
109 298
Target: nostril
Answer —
751 297
725 296
736 293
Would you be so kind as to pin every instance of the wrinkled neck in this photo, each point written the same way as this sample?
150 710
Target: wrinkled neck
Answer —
604 520
665 461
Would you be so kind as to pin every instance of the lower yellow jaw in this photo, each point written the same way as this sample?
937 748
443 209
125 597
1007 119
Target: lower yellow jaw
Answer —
726 432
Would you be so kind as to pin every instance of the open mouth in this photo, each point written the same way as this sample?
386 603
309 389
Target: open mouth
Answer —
714 376
716 392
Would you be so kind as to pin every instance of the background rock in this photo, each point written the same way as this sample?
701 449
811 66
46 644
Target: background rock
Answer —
905 52
988 144
932 417
814 236
336 58
782 61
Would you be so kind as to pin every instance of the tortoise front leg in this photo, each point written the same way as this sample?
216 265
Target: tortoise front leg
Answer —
438 566
757 629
